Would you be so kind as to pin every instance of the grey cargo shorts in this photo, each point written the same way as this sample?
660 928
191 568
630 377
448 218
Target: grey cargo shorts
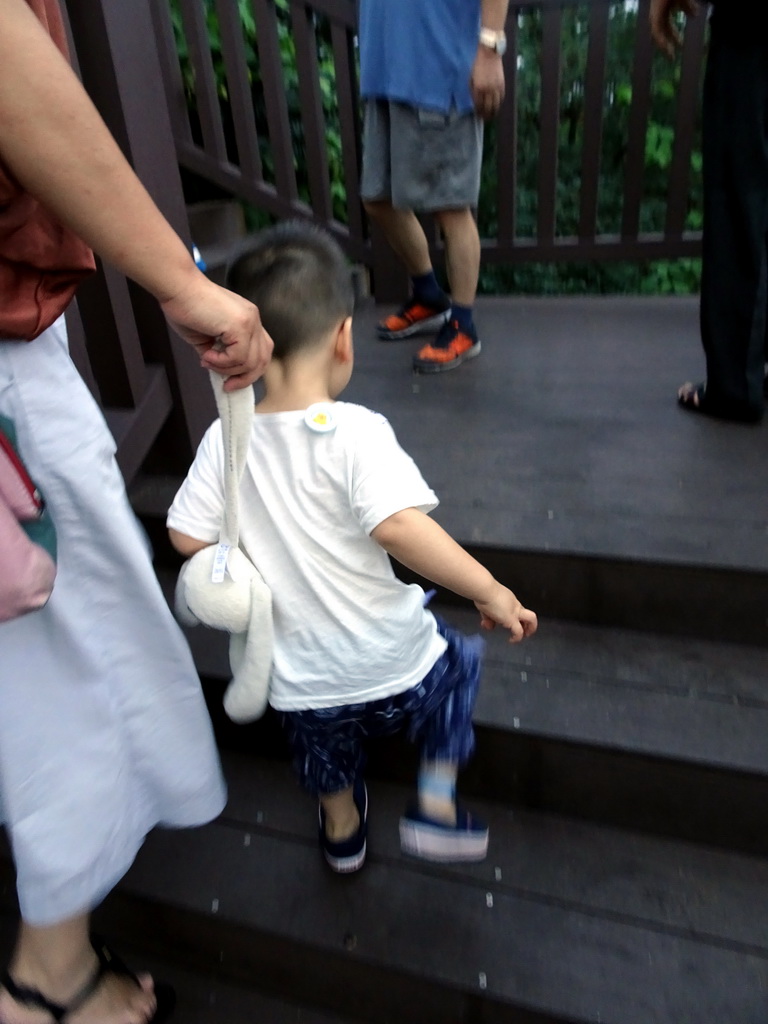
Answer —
420 159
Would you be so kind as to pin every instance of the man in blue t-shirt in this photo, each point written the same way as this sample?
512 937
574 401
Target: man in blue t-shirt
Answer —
431 72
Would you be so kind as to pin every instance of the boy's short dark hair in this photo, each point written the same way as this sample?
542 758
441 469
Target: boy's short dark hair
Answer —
299 278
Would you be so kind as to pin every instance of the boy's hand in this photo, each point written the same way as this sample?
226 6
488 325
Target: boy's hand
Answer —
502 608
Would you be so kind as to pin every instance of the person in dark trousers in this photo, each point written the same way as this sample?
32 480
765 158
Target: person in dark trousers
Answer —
734 282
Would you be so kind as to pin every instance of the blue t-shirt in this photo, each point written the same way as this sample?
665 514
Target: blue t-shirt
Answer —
419 52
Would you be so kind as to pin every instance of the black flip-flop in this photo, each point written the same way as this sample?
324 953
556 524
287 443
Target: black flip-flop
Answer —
109 963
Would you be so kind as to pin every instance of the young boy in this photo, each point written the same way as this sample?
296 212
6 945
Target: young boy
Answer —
326 496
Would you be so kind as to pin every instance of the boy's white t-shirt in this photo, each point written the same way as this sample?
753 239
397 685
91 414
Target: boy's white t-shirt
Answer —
346 629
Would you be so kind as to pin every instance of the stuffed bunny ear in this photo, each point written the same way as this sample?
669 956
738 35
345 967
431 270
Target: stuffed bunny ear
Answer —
250 658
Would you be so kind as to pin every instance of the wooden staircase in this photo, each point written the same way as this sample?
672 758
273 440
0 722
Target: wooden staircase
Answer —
622 756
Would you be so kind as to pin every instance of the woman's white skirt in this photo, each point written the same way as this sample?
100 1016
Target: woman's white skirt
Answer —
103 727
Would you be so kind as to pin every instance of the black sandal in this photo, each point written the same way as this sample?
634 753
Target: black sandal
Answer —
693 397
109 963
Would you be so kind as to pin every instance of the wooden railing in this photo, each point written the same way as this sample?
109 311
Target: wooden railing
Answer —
259 118
626 240
224 146
271 116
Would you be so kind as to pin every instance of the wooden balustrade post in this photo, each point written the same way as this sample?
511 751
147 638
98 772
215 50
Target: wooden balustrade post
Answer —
120 67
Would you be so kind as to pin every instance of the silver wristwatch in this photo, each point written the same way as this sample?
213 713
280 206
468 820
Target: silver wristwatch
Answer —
495 41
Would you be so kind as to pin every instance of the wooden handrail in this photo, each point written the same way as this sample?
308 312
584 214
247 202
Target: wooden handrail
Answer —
294 137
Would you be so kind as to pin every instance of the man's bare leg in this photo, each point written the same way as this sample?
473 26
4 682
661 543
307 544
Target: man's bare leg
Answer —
462 245
404 233
427 309
462 253
458 339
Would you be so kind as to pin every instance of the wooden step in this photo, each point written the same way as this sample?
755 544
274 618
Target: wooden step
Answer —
563 922
636 729
204 998
665 595
639 730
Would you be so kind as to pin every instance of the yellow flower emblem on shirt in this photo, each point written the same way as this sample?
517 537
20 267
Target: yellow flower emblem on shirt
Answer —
320 418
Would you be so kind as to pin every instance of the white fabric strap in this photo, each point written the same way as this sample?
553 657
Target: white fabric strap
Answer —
220 586
236 412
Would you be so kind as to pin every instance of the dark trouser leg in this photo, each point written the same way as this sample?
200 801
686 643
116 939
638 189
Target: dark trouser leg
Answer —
326 747
734 287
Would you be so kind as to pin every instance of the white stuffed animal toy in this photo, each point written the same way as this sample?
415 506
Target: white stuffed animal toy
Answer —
220 587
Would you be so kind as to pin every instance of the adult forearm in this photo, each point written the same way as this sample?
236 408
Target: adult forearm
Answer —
56 144
419 543
493 14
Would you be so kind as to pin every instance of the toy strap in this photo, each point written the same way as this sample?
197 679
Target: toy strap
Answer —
236 412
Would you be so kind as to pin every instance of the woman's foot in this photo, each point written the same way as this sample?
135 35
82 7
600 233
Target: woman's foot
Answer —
117 1001
95 992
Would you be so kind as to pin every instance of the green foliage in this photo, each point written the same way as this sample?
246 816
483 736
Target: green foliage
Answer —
667 277
653 277
290 83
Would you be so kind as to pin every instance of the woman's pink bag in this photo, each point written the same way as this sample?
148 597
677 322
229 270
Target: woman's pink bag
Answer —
27 536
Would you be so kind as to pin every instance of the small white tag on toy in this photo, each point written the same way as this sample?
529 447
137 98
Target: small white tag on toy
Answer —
220 563
320 418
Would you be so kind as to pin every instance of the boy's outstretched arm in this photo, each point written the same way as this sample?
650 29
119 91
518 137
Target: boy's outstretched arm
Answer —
185 545
418 542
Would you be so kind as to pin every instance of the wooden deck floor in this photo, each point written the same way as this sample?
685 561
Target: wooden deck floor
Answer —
565 436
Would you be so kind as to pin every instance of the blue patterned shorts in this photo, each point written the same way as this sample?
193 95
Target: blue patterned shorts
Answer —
328 743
